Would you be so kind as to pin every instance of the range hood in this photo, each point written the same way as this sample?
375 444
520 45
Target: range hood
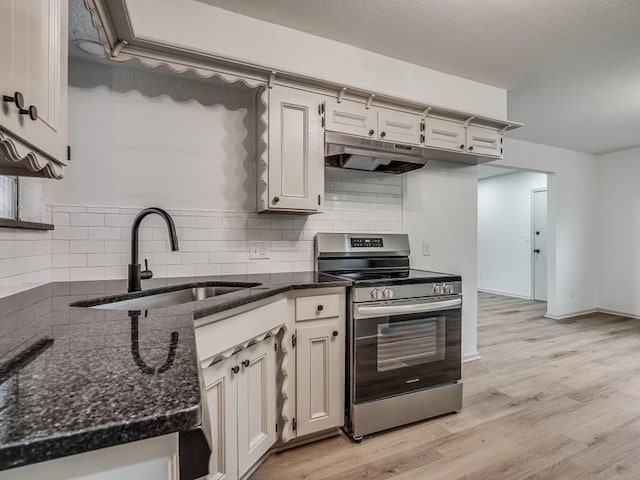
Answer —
356 153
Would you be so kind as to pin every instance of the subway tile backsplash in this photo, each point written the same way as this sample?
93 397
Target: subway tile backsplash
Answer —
93 243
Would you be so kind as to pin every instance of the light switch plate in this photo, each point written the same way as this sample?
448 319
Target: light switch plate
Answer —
259 250
426 248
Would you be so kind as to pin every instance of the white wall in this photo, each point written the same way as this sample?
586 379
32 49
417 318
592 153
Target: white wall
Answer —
571 283
504 232
618 252
440 206
142 139
217 30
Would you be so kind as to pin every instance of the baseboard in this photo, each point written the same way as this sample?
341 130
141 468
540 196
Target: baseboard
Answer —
619 314
470 357
572 314
504 294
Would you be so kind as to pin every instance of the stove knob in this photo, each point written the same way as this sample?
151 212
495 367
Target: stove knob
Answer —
387 293
448 288
437 289
376 294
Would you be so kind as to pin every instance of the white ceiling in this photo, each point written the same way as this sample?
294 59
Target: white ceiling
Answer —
572 67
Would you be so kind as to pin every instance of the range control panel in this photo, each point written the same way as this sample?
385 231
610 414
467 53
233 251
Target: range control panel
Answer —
367 242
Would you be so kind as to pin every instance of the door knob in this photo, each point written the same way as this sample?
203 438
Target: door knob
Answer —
383 134
235 369
371 132
462 146
471 148
246 363
276 199
335 333
320 308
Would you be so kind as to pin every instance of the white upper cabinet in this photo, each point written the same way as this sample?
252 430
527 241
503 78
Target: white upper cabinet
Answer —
33 85
484 141
395 126
351 117
295 151
445 134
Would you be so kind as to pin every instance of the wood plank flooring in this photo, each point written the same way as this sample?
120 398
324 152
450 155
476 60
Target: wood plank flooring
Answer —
548 400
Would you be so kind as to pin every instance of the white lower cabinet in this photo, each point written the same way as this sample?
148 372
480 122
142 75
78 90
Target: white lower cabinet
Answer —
320 368
241 398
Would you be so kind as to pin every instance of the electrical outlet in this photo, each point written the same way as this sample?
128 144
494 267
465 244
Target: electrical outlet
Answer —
426 248
259 250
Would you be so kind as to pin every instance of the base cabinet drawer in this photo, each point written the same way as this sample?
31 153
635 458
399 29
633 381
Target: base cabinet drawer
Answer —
317 307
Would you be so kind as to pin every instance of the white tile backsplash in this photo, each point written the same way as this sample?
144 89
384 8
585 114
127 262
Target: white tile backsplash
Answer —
96 244
93 242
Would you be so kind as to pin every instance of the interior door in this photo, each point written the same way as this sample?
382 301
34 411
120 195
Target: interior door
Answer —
540 245
256 403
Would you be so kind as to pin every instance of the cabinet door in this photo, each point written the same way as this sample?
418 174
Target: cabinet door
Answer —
256 403
350 117
397 126
319 375
484 141
296 151
221 397
444 134
33 55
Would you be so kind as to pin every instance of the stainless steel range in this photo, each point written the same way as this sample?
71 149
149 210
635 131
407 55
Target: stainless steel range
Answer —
404 332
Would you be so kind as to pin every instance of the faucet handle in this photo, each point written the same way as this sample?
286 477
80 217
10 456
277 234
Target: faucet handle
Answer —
146 274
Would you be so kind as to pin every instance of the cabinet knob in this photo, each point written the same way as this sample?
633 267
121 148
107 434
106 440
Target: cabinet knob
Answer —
246 363
320 308
462 146
17 98
383 134
471 148
335 333
372 131
32 111
235 369
276 199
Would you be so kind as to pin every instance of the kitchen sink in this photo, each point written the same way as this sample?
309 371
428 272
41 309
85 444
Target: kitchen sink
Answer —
160 298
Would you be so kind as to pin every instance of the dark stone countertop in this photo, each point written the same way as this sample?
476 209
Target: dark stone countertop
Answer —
76 379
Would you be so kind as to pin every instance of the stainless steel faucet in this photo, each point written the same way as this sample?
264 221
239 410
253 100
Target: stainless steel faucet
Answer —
135 272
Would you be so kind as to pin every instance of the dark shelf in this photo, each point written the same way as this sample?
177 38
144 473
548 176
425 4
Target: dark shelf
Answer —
9 223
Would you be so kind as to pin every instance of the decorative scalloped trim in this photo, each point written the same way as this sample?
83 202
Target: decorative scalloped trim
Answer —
238 348
149 59
285 414
33 161
263 148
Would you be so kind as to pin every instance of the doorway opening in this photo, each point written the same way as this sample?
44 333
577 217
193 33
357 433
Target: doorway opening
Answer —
512 233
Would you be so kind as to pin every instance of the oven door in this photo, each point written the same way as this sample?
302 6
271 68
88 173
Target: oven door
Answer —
406 345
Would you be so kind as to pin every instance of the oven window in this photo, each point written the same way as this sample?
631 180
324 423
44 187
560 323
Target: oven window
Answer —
410 343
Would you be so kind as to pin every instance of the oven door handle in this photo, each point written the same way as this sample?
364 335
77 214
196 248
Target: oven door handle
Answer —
363 311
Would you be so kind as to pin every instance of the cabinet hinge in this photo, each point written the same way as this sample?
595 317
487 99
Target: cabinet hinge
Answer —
293 341
68 153
294 424
275 346
321 113
422 138
276 428
422 126
319 199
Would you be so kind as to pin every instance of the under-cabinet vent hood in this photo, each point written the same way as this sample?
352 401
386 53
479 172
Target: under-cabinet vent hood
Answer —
356 153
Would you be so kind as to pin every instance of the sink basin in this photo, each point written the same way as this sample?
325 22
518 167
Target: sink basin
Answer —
160 298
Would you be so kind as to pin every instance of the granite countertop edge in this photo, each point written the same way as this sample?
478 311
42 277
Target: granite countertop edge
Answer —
108 434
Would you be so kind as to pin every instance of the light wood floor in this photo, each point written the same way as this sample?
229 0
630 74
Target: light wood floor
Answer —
548 400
